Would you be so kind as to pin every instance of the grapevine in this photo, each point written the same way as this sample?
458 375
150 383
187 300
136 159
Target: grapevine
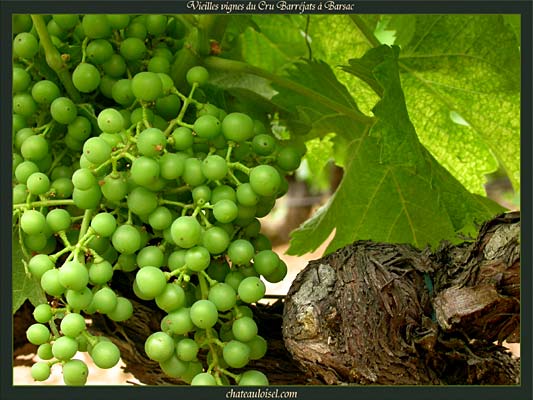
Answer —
117 168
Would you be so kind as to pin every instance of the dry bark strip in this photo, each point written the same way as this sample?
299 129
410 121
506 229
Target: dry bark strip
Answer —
376 313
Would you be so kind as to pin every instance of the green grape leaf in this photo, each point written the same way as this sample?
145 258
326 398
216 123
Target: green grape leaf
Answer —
393 189
24 286
319 106
452 67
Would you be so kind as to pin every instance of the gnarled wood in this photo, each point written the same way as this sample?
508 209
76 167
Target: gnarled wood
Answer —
374 313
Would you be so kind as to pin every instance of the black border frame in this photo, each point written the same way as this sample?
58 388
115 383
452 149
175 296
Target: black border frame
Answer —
523 391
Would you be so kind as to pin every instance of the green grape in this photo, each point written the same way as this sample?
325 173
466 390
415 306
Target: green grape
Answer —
21 136
263 144
288 159
146 85
251 289
156 24
145 170
20 193
197 258
225 211
234 279
237 127
201 195
114 187
96 26
240 252
258 347
244 329
159 346
218 269
75 373
21 23
142 201
87 199
236 354
265 205
83 179
168 106
64 348
174 367
266 262
121 92
253 378
176 259
25 45
79 299
21 80
104 224
72 325
39 264
44 351
40 371
99 244
100 272
265 180
73 275
151 142
215 240
171 166
126 239
137 30
43 313
66 21
178 322
63 110
192 173
99 51
194 368
207 127
151 281
261 242
115 66
186 232
214 167
110 120
118 21
105 354
160 218
97 150
34 148
223 296
23 104
104 300
187 349
37 334
159 64
150 256
86 77
24 170
45 91
183 138
278 274
80 128
132 49
204 314
122 311
38 183
172 298
203 379
246 195
32 222
198 75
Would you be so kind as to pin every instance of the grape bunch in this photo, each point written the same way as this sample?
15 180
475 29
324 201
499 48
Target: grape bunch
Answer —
117 174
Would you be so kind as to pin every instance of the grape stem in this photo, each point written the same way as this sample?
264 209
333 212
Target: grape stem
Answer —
53 58
233 66
45 203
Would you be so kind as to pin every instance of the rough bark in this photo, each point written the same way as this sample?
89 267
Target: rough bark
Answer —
374 313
